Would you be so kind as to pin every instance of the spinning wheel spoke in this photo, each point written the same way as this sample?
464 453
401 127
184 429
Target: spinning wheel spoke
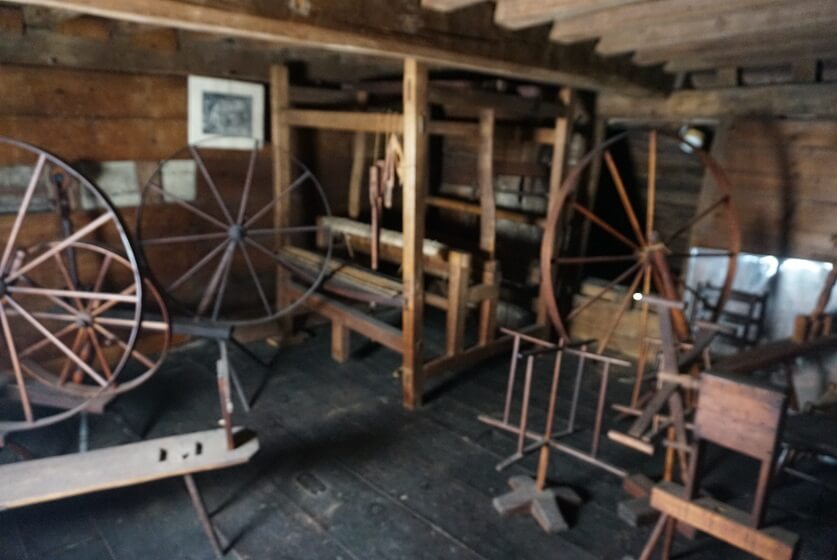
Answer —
203 285
43 343
65 274
57 301
651 270
251 167
222 290
24 208
197 266
595 259
215 282
100 277
612 284
13 356
60 246
54 292
57 343
652 185
185 238
68 365
623 196
96 310
255 278
604 225
100 354
697 218
622 308
211 184
289 229
186 206
293 186
136 354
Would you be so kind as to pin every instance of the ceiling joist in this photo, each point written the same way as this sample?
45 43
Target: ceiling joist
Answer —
505 54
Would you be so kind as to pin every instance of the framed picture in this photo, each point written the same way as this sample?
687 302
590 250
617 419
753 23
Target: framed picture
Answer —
225 113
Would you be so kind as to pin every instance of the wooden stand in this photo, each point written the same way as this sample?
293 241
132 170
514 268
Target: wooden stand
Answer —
744 418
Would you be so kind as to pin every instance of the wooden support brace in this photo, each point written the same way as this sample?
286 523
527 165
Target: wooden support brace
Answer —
416 119
280 101
457 313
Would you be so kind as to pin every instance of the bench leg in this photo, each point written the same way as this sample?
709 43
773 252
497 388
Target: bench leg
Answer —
203 516
459 270
654 538
488 308
340 342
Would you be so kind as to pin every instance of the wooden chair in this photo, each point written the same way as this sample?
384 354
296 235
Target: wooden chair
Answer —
747 419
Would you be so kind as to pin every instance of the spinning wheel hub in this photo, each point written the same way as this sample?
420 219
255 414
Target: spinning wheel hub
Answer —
84 319
237 233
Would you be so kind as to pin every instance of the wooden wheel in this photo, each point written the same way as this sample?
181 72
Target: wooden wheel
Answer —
216 230
641 259
52 278
95 327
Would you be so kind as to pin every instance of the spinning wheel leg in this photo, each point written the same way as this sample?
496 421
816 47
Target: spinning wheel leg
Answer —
203 515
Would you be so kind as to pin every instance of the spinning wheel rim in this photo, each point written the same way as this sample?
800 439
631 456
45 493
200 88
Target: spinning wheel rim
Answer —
569 186
235 234
10 276
104 326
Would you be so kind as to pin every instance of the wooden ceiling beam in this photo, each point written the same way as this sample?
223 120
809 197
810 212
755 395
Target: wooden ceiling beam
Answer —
448 5
796 17
194 55
517 14
810 100
484 50
645 14
779 47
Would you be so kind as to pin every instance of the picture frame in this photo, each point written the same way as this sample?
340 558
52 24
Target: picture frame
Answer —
225 113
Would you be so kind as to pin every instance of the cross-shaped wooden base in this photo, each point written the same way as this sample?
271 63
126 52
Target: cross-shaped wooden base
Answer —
541 504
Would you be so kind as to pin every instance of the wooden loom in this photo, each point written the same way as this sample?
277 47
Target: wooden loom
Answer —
470 283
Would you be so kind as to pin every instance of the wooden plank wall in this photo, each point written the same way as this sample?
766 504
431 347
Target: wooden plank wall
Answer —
101 116
784 174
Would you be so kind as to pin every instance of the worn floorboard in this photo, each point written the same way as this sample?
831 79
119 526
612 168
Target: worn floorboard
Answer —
345 472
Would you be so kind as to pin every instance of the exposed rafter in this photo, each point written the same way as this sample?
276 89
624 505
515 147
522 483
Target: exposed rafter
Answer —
469 48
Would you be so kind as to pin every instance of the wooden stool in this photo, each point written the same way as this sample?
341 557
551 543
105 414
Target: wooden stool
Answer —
745 418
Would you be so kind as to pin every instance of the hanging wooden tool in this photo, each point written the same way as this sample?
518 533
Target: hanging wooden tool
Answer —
384 175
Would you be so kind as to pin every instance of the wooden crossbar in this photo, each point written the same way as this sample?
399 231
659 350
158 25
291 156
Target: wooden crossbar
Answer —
724 522
54 478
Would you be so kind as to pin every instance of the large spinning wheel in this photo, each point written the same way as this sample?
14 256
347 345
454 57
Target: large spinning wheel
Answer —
71 311
638 259
206 222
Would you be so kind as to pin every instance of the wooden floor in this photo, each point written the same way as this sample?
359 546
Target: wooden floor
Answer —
345 473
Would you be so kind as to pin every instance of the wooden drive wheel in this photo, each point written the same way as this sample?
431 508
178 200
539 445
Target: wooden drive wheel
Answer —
206 222
641 259
56 296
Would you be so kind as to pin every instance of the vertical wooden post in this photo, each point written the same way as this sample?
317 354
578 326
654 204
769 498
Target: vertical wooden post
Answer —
560 151
485 177
415 179
459 271
488 223
356 178
280 100
340 342
599 133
